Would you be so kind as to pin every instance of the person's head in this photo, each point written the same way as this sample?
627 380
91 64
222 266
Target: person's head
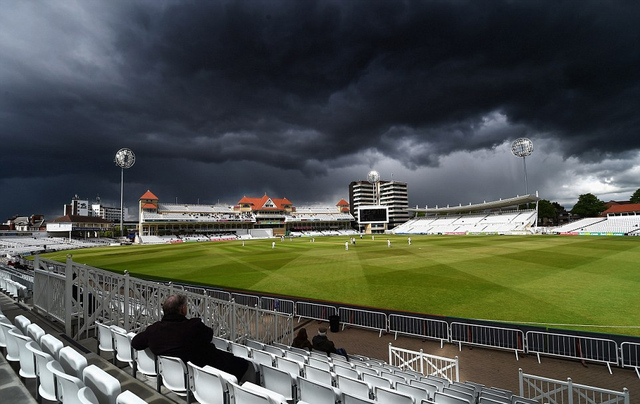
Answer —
175 304
302 334
322 331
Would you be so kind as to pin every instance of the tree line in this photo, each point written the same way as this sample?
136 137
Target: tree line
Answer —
588 205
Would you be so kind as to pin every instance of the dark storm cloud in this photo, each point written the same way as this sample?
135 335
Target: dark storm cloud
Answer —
261 90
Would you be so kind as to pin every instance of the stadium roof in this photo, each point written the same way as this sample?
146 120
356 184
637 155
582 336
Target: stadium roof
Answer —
502 203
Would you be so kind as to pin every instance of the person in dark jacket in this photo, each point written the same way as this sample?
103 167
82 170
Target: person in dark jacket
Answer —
324 344
302 340
190 340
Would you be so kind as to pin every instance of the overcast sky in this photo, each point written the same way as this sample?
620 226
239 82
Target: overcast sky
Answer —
222 99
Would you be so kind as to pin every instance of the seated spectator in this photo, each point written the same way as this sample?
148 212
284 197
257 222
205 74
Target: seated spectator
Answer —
324 344
302 340
189 340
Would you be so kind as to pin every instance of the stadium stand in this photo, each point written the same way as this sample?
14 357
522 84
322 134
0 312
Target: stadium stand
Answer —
493 223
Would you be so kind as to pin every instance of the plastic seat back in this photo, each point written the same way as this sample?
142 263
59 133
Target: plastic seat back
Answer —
127 397
22 323
354 387
250 393
146 362
105 387
280 381
51 345
86 396
239 350
174 374
317 393
320 363
444 398
13 351
105 340
35 332
67 386
45 380
72 361
220 343
416 392
389 396
291 366
122 346
263 357
318 375
27 362
210 385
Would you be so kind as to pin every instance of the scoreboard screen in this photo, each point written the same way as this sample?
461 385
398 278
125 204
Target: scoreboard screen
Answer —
373 214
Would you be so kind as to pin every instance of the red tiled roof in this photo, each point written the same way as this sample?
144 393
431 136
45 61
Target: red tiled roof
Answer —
258 203
342 203
149 195
149 206
631 207
79 219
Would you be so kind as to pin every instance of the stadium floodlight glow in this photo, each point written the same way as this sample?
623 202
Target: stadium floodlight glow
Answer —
523 147
374 178
124 159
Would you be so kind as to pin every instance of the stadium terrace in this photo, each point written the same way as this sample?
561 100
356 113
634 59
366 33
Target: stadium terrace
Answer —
250 218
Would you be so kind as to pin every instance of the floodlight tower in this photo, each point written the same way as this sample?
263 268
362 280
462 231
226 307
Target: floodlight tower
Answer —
374 178
523 147
124 159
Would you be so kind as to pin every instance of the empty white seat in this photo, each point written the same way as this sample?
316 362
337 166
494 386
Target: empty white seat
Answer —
105 339
347 371
319 375
86 396
351 399
35 332
13 351
280 381
424 384
51 345
45 383
354 387
67 386
465 395
376 381
317 393
444 398
263 357
22 322
72 361
291 366
298 357
174 374
27 362
278 352
393 378
415 391
210 385
253 344
127 397
3 336
320 363
239 350
250 393
105 387
389 396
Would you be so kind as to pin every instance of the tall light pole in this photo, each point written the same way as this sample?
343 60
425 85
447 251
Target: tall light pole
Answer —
523 147
124 159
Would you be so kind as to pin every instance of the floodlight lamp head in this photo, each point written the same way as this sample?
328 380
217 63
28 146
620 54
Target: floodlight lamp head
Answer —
522 147
125 158
373 176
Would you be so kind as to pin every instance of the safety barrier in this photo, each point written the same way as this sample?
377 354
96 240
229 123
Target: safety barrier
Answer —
279 305
428 365
630 356
546 390
245 299
363 318
419 327
315 311
573 347
509 339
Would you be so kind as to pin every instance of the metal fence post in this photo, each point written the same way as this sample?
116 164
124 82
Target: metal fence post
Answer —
68 295
521 382
570 389
127 296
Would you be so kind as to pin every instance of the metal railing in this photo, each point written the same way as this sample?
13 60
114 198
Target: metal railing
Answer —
573 347
552 391
372 320
509 339
630 356
428 365
419 327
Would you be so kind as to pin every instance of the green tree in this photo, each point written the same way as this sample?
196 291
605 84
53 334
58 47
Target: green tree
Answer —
548 212
635 198
588 205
